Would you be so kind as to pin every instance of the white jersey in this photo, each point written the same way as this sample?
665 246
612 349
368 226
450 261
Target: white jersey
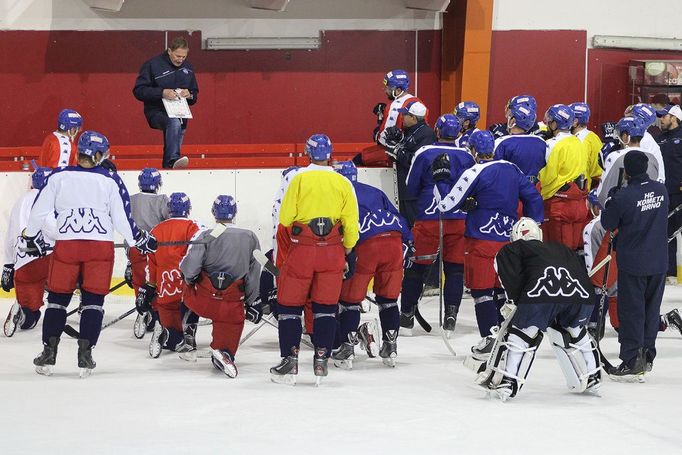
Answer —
89 204
17 222
649 145
392 115
278 202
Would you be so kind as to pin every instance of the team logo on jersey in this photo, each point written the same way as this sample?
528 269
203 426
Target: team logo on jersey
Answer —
82 220
499 225
378 220
171 283
557 282
433 208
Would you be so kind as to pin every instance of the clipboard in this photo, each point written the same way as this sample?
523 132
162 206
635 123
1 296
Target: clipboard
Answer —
177 108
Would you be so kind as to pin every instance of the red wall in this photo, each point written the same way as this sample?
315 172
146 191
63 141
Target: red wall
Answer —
550 65
244 96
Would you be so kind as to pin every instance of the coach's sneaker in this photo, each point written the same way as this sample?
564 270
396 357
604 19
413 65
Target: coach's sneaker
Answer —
15 319
344 355
406 324
389 349
180 163
368 334
158 341
224 361
286 371
320 368
85 361
46 359
632 371
673 319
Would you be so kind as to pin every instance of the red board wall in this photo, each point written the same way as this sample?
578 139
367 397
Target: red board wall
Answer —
245 96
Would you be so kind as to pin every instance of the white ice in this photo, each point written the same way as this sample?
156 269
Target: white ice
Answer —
428 404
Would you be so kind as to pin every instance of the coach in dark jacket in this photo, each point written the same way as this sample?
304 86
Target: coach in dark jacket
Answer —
168 76
639 212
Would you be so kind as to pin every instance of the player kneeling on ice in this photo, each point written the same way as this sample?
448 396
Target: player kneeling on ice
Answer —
222 280
548 291
90 203
163 290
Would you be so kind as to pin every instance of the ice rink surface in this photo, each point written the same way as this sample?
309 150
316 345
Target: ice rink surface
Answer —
428 404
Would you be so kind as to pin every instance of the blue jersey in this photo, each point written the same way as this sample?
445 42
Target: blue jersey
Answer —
377 214
463 140
420 182
527 151
497 187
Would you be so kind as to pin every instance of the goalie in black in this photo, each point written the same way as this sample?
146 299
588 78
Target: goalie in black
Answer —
548 291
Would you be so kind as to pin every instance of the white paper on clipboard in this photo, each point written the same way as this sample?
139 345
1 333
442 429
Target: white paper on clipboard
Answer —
177 108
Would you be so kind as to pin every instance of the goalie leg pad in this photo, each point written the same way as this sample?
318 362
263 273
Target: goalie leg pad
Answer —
577 354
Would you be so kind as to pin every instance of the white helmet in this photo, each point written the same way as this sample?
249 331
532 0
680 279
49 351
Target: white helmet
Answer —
526 229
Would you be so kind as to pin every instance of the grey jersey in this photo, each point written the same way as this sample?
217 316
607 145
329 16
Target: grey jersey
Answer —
231 252
149 209
614 163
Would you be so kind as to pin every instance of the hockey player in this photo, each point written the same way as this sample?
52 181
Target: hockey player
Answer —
222 283
581 116
58 147
148 209
27 273
489 192
451 162
163 289
90 203
639 211
648 144
319 213
548 291
379 253
468 113
564 189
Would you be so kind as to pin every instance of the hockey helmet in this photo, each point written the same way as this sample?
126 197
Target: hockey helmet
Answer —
448 126
39 177
644 111
318 147
149 180
522 100
347 169
468 110
179 205
526 229
224 207
68 118
481 143
91 142
561 114
581 112
397 79
524 115
632 126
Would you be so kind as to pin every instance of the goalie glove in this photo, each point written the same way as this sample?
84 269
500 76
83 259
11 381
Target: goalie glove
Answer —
440 168
145 296
7 277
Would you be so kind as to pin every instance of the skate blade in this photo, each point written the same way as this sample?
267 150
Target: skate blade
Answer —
45 370
343 364
373 350
593 391
629 378
85 372
318 380
286 379
448 333
189 356
230 371
389 361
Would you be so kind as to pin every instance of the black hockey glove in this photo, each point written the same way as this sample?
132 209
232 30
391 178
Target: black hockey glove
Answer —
409 252
379 112
351 259
268 299
128 275
108 165
393 136
145 296
146 243
254 312
498 129
35 246
469 204
440 168
7 277
608 131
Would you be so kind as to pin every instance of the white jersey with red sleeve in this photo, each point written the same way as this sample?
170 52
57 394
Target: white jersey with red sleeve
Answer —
392 117
57 151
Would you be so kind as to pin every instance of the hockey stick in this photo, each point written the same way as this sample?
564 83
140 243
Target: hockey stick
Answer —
73 333
675 210
266 263
253 331
117 286
441 301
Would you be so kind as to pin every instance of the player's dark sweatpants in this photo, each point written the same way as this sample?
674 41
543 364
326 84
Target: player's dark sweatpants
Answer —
639 307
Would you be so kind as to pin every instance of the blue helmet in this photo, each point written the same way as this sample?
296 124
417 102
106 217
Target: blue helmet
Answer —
179 205
68 118
39 177
318 147
581 112
397 79
347 169
482 142
632 126
91 142
468 110
448 126
149 180
224 207
524 115
562 115
522 99
644 111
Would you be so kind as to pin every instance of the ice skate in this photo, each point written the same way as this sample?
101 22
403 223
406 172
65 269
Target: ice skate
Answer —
320 368
673 319
142 321
45 361
286 371
593 384
15 318
224 361
450 320
480 354
630 373
85 361
368 334
406 324
505 390
389 349
344 355
159 338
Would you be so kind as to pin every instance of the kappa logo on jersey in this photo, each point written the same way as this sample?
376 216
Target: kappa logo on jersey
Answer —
433 208
558 282
171 281
499 225
377 220
82 220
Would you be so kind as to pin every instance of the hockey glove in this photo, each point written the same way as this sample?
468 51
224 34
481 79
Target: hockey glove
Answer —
393 136
409 252
593 199
146 243
128 275
145 296
379 111
108 165
499 130
351 259
440 168
7 277
193 280
35 246
469 204
254 312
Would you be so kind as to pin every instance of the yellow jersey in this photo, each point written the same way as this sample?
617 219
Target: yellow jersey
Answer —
593 144
566 160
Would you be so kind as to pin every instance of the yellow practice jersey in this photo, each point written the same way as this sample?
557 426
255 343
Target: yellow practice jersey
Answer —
593 145
317 192
566 160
